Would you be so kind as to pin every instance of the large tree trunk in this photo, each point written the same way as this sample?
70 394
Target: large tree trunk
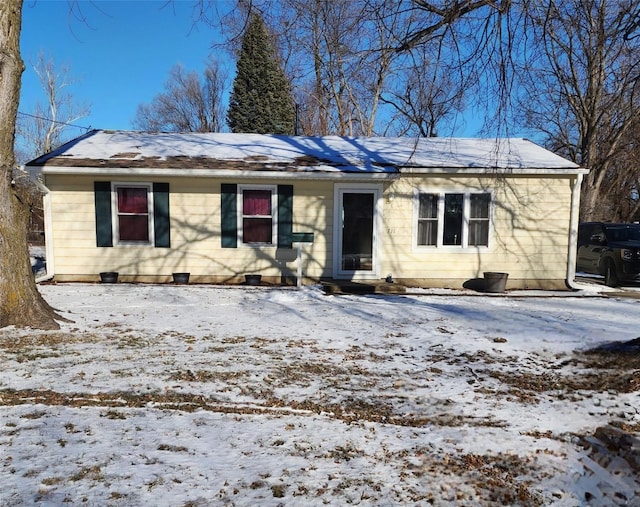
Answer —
20 302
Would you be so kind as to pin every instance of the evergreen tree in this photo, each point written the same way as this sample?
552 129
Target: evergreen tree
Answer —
261 100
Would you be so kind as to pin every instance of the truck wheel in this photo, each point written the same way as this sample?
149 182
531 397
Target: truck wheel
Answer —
610 274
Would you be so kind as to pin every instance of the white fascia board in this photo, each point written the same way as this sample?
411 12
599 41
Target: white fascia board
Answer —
500 171
310 174
217 173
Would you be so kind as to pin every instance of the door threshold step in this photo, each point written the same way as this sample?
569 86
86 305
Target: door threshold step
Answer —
351 287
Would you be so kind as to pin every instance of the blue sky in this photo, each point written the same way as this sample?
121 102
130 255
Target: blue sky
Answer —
120 57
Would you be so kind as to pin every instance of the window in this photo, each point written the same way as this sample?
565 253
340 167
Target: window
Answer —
453 219
479 219
256 215
453 204
258 220
428 219
132 214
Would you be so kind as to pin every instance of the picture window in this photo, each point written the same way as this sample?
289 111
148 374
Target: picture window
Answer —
453 219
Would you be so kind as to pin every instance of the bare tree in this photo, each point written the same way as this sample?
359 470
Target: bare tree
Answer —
619 196
20 302
425 93
46 127
339 60
431 20
577 66
345 60
586 81
336 56
188 104
335 27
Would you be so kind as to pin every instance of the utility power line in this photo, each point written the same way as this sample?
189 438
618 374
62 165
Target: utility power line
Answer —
55 121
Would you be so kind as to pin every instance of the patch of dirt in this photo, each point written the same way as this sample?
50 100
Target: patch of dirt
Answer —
616 355
611 367
616 380
498 479
350 411
17 343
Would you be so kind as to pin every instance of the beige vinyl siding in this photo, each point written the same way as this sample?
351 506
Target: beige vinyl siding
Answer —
528 234
195 234
313 212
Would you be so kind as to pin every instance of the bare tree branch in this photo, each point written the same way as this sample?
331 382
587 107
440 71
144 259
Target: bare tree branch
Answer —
49 124
189 103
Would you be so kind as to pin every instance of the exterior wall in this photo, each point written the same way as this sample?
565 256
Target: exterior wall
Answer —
195 217
528 235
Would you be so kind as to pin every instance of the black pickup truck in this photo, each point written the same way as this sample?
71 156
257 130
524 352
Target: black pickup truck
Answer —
610 250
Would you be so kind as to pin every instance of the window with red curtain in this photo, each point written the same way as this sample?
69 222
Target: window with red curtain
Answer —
257 216
133 214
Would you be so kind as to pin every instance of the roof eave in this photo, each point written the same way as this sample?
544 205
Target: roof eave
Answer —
308 174
220 173
496 171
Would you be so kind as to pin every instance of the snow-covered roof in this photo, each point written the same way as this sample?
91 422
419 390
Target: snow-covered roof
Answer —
254 152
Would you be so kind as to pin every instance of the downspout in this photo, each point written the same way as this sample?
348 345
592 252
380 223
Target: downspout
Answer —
48 235
573 235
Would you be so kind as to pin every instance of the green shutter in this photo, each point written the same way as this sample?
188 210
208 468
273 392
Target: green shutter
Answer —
104 231
285 216
229 215
161 223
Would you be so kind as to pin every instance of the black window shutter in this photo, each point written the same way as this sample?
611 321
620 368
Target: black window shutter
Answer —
104 231
285 216
229 215
161 222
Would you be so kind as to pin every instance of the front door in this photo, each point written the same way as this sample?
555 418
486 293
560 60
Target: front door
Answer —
357 232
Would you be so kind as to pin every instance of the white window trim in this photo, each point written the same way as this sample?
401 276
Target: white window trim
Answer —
466 207
115 223
274 215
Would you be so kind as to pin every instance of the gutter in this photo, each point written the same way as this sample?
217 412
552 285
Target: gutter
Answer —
355 174
492 171
573 235
311 173
320 172
48 235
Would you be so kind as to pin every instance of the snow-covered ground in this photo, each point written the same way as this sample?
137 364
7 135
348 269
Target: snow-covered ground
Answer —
171 395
